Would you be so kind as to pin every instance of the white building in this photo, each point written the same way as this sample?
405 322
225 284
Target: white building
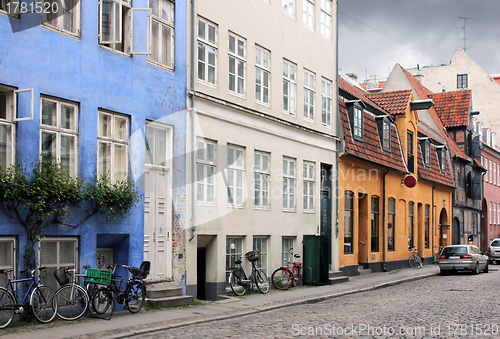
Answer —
262 132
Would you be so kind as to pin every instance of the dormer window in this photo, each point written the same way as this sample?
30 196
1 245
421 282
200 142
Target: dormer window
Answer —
386 136
358 123
442 159
410 157
427 153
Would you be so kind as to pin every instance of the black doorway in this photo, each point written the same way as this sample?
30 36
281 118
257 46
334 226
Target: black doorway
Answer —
201 273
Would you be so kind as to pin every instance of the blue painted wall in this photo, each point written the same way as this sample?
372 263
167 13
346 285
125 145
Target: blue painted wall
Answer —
80 70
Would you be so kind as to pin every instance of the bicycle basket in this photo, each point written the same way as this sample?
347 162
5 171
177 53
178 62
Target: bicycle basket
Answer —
61 276
253 256
98 276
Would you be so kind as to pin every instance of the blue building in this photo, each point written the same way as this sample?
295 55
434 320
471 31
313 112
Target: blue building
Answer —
101 86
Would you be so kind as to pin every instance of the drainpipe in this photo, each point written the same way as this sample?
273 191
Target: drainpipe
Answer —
384 267
433 224
191 114
339 129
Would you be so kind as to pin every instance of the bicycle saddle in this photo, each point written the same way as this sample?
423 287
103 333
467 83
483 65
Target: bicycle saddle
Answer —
297 255
237 262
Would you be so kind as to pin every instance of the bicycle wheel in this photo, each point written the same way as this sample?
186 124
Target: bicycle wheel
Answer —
6 308
135 296
261 281
43 304
236 283
72 302
419 262
282 278
414 261
102 300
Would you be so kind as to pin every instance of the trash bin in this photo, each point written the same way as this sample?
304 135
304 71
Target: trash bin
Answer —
316 259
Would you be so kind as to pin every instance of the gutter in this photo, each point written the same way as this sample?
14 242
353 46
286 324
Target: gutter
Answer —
384 266
433 224
191 114
339 132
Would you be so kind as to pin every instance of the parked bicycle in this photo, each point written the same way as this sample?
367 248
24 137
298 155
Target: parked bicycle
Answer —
239 281
415 260
41 298
72 299
283 277
132 297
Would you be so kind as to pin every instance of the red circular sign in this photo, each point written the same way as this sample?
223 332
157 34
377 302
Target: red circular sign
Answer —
410 181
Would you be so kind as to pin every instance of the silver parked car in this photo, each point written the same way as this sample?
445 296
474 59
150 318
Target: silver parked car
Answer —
462 258
494 251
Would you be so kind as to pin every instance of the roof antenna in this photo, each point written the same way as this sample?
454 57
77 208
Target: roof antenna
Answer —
464 27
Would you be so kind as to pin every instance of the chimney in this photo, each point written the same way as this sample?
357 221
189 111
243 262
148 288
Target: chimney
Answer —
353 76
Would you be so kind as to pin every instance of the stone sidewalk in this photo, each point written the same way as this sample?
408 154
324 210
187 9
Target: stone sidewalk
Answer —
124 324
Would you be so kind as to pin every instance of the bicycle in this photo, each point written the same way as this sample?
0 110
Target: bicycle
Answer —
239 281
415 260
72 299
132 297
42 300
283 277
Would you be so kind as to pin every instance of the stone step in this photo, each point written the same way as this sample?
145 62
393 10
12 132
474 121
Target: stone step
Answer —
337 280
363 271
335 274
162 292
180 300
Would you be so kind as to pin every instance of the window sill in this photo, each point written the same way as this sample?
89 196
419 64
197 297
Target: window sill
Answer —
262 103
288 211
60 31
208 204
236 207
309 120
309 211
257 208
241 96
290 114
206 83
157 64
326 125
115 51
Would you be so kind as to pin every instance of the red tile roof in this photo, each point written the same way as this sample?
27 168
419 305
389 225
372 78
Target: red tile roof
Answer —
370 149
358 93
433 173
395 102
423 93
452 107
381 85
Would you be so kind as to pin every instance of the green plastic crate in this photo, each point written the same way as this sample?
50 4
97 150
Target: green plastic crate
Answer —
98 276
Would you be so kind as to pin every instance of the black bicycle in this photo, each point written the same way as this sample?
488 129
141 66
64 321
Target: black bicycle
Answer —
132 297
239 281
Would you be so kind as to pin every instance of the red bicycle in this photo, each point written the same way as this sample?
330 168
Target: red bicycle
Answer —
283 278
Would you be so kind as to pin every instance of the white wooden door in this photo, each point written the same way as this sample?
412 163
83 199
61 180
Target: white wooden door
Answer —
158 224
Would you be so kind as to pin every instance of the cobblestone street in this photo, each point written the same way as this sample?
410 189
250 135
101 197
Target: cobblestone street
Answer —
456 306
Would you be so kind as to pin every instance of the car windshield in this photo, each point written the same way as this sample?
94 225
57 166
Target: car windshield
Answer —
496 243
455 250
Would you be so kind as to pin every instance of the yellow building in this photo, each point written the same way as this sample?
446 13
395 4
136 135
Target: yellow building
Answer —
381 216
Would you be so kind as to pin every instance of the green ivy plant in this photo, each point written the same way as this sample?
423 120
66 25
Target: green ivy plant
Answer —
42 193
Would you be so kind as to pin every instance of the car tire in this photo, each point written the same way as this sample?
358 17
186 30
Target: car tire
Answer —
498 262
476 269
486 268
444 272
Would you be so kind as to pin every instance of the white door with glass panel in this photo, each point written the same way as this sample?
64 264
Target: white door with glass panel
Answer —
158 202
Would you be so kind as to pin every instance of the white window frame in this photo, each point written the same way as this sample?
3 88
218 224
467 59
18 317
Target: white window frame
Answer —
309 186
208 166
358 123
289 87
13 252
209 46
287 243
8 123
57 23
443 160
309 95
308 9
262 179
261 244
326 102
234 170
233 254
427 152
262 68
288 7
114 142
58 264
326 18
60 132
237 58
289 182
157 19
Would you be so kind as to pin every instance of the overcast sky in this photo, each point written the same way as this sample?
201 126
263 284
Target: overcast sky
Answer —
374 35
